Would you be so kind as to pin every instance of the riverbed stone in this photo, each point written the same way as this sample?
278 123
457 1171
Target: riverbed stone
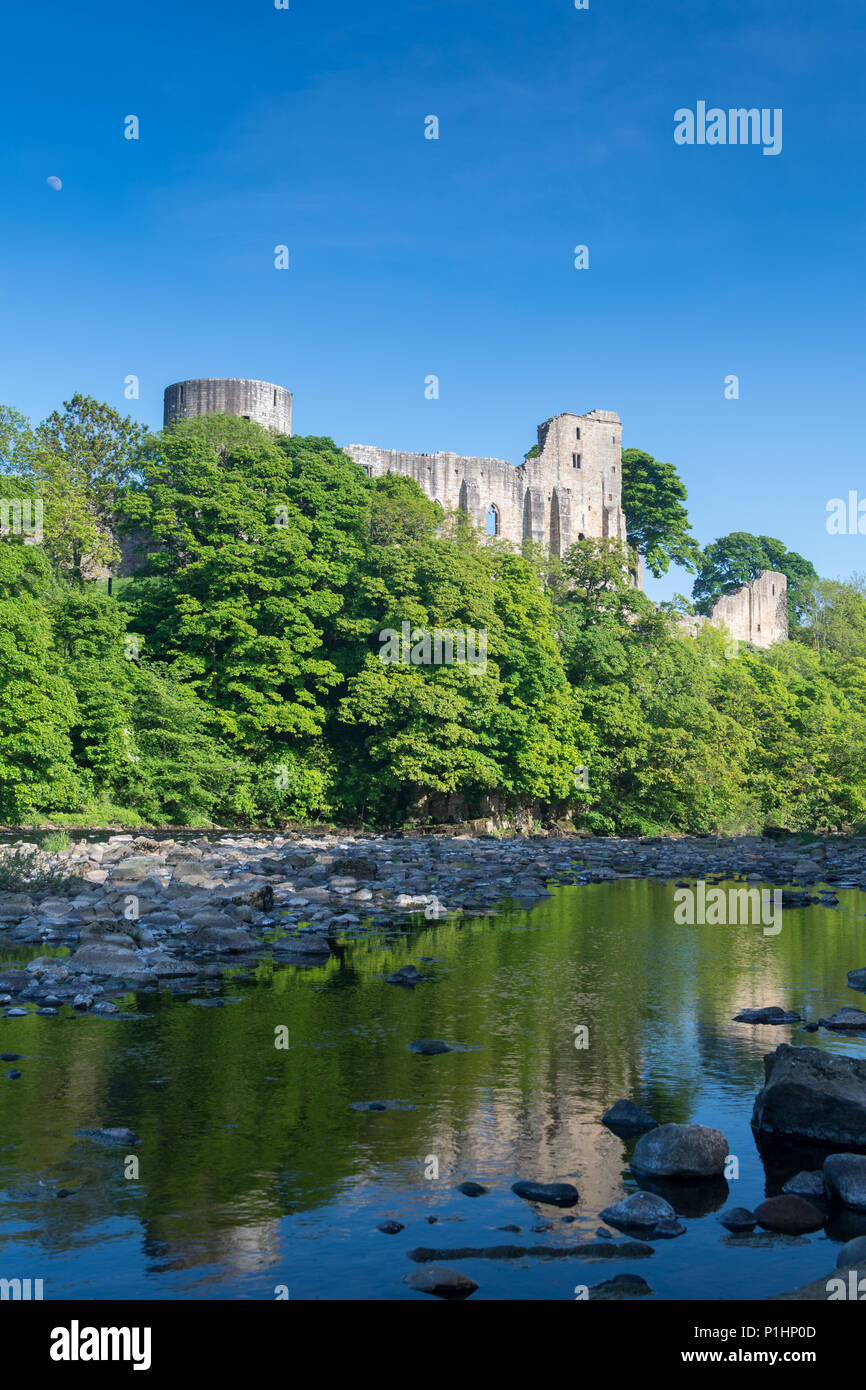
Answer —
738 1219
853 1252
557 1194
641 1211
681 1151
789 1215
624 1115
105 958
806 1185
845 1176
812 1094
441 1281
772 1014
845 1020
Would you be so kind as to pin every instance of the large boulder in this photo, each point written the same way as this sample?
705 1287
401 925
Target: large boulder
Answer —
681 1151
136 867
812 1095
106 958
845 1177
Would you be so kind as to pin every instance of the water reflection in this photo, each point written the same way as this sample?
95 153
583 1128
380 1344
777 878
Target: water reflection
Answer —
256 1170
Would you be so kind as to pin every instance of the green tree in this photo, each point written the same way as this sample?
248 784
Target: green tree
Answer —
653 498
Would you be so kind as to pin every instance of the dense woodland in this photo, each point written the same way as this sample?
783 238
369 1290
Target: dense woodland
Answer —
237 680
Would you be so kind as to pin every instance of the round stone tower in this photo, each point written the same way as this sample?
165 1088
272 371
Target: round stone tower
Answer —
260 401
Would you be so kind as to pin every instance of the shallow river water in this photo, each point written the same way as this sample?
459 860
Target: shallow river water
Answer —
256 1172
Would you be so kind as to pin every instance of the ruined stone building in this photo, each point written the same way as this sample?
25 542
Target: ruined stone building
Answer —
757 613
569 490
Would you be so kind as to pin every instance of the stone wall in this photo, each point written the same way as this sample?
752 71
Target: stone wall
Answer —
571 490
260 401
757 613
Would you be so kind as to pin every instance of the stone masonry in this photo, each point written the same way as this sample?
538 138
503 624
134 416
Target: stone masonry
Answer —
260 401
757 613
570 491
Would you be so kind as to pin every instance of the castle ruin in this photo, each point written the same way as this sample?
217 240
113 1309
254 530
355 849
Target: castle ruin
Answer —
572 488
568 490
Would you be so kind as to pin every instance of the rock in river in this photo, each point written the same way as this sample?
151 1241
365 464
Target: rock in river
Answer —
103 958
441 1281
681 1151
642 1212
806 1185
845 1176
813 1095
791 1216
845 1020
738 1219
628 1118
772 1014
557 1194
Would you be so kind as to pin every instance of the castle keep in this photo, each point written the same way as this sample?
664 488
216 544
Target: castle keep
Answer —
570 490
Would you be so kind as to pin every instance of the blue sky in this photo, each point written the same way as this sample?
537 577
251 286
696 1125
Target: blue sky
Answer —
412 257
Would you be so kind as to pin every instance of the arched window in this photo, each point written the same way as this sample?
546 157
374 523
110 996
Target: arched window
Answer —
491 521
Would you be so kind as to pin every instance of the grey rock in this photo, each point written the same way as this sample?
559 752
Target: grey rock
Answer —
681 1151
772 1014
640 1211
441 1281
104 958
622 1286
813 1094
390 1228
109 1136
472 1189
805 1185
845 1020
628 1117
557 1194
852 1253
229 939
845 1176
738 1219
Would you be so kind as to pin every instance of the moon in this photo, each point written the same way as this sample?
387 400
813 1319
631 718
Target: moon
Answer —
54 182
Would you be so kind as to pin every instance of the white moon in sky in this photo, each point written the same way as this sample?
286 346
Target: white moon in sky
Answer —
54 182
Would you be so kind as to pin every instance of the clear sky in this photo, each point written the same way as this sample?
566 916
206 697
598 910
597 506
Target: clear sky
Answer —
412 257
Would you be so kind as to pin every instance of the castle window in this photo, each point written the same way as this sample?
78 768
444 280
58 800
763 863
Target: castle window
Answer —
613 439
245 417
491 521
575 460
275 395
581 536
774 591
578 431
